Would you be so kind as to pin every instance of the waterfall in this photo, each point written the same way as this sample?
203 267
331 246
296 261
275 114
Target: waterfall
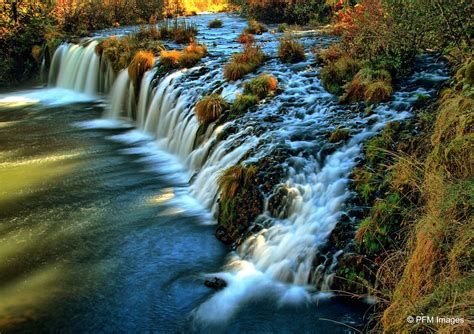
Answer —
282 255
79 68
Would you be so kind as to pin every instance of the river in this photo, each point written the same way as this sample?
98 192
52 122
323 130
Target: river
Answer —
105 227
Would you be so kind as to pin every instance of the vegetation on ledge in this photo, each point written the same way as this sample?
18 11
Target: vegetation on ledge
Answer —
210 108
239 204
416 241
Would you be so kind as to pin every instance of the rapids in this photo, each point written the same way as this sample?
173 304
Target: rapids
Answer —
293 127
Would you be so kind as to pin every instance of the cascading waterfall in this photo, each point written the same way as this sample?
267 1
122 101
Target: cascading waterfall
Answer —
284 251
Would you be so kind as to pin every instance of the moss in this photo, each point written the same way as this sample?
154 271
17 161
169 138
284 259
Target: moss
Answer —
256 28
215 24
210 108
338 135
290 50
261 86
375 232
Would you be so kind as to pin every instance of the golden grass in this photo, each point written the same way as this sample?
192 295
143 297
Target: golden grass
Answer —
210 108
231 179
170 58
141 62
378 91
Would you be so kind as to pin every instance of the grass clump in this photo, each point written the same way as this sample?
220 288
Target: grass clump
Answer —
191 55
119 52
242 103
231 179
210 108
170 58
188 57
141 62
256 28
246 38
179 31
216 23
369 85
335 75
261 86
283 27
290 50
338 135
243 63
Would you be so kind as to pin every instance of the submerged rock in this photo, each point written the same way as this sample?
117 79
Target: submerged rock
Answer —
215 283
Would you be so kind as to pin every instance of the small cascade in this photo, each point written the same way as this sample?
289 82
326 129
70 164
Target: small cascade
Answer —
79 68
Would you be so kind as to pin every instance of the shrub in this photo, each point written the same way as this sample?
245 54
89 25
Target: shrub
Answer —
261 86
246 38
338 135
210 108
231 179
215 24
255 28
290 50
243 102
170 59
141 62
243 63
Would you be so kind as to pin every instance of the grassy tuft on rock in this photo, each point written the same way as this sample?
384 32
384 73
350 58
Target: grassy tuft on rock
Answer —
210 108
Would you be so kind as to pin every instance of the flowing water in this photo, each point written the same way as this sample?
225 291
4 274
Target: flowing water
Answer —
106 223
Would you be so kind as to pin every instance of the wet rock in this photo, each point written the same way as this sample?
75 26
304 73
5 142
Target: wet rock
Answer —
342 234
279 203
215 283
